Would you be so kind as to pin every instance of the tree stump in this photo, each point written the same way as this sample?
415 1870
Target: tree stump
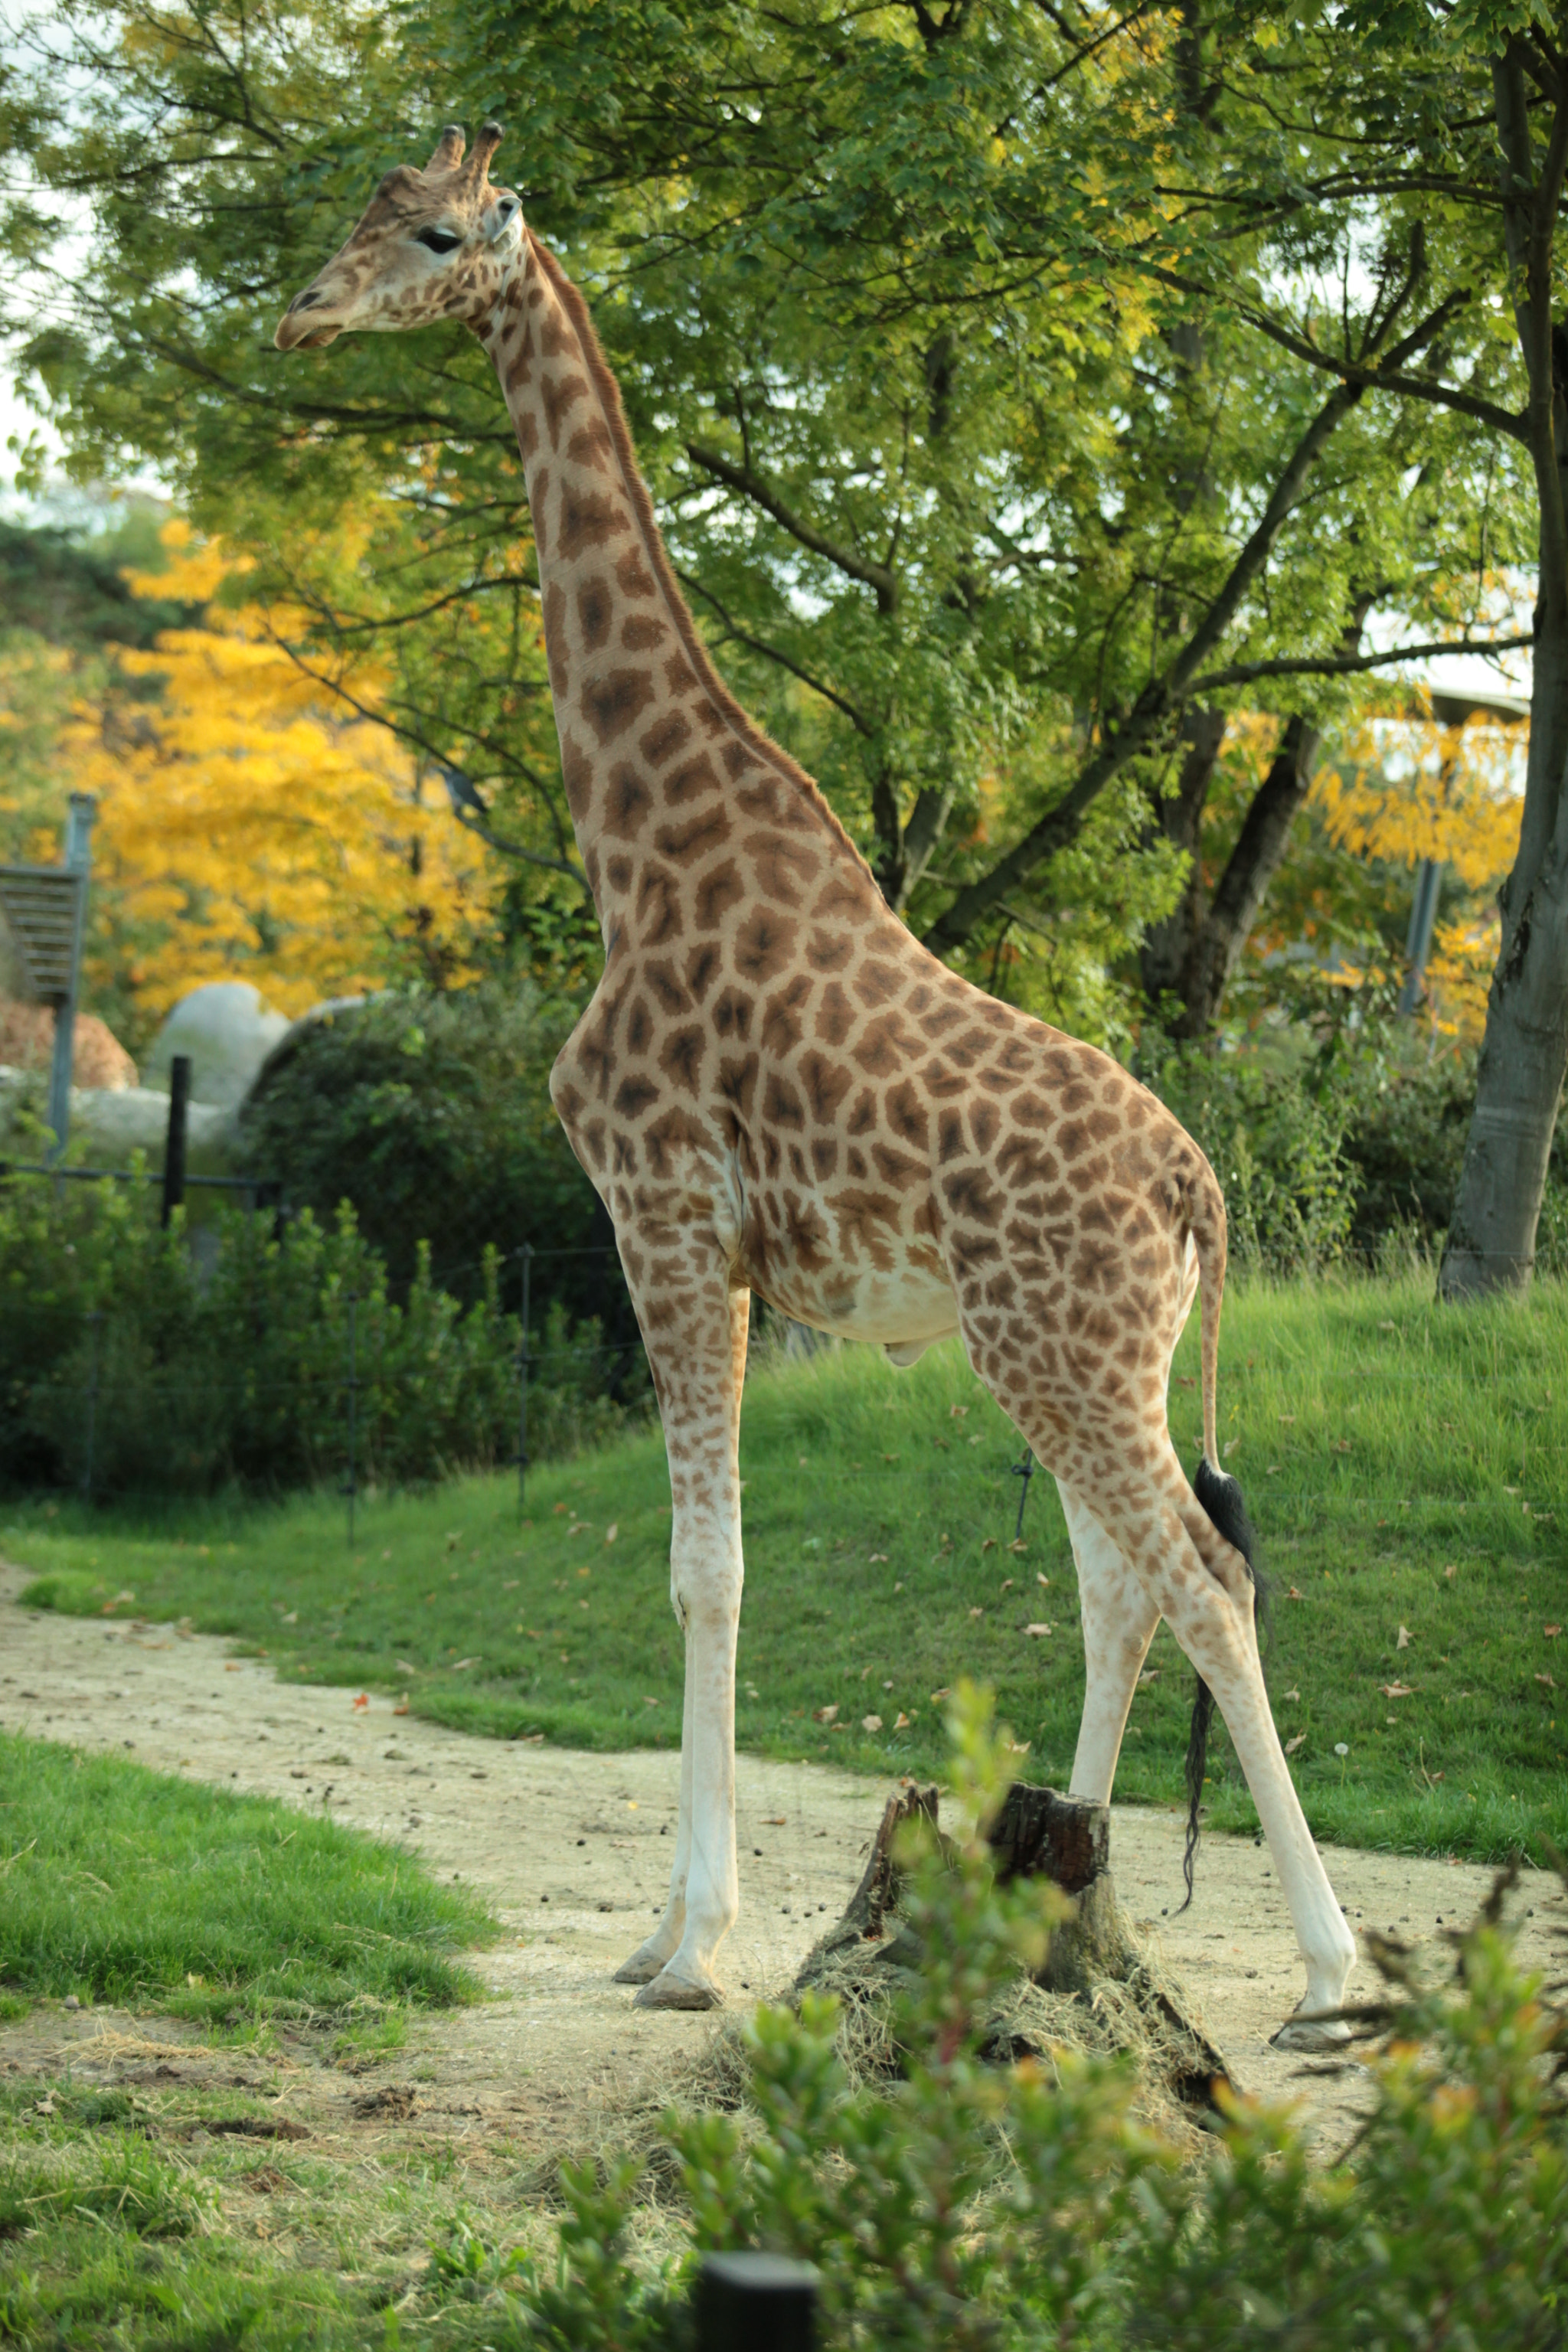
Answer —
1096 1973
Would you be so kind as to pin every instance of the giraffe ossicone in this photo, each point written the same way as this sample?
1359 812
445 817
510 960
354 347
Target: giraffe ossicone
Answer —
776 1089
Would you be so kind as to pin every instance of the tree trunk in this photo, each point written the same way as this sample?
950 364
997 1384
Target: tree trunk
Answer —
1524 1054
1518 1080
1188 960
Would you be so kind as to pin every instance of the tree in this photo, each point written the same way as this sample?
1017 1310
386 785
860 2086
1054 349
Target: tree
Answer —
937 328
250 824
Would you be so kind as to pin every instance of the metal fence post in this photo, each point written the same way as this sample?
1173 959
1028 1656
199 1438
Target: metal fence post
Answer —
526 1254
174 1143
1026 1471
755 2302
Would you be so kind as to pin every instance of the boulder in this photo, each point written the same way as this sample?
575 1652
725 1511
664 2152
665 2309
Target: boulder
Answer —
227 1031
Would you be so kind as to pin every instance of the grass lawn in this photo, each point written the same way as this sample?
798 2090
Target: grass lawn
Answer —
119 1883
1406 1465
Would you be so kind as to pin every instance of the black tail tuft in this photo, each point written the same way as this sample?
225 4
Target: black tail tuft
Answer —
1221 1497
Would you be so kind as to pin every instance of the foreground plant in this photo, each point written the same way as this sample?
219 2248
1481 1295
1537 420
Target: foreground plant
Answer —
966 2203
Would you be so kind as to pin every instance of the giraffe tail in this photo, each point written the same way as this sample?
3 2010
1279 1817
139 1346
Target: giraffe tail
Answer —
1220 1495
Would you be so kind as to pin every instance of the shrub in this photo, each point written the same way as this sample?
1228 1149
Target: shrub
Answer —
129 1363
430 1113
968 2203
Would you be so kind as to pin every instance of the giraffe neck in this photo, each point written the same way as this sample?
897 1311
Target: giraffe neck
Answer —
653 746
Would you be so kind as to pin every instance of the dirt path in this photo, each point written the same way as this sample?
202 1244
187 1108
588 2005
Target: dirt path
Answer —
572 1850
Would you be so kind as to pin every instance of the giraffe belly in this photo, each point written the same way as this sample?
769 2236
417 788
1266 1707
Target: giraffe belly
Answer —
906 1305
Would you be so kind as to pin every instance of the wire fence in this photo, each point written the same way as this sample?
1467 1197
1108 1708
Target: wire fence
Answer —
137 1356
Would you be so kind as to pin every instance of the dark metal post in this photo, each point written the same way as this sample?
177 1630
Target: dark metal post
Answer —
174 1143
527 1256
1418 939
1026 1471
755 2302
79 859
95 1325
350 1489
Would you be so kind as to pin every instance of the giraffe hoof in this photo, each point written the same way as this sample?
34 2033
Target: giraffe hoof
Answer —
1312 2033
667 1991
641 1969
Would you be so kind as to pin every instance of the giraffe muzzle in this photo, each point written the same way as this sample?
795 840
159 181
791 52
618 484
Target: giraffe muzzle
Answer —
293 333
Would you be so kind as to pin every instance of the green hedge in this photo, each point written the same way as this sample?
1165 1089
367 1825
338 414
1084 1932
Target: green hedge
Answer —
129 1362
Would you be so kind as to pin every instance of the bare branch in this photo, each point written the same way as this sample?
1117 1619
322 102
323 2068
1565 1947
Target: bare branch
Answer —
1345 665
762 494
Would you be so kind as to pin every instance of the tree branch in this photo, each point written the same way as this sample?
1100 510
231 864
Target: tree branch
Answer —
1367 379
1164 696
857 719
1344 665
751 485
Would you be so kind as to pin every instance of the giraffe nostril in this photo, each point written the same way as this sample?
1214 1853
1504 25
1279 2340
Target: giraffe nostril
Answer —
307 300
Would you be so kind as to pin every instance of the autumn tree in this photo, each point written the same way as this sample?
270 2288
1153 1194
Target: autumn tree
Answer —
249 823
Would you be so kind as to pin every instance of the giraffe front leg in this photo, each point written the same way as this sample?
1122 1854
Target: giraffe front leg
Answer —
650 1957
697 1351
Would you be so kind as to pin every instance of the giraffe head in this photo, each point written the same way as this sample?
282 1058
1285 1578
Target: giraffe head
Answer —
429 244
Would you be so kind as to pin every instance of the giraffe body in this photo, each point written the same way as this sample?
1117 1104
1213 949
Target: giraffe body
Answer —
776 1089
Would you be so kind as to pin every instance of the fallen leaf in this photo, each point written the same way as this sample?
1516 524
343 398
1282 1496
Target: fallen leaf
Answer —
887 1686
958 1413
1295 1695
402 1707
989 1544
825 1714
651 1702
1395 1690
870 1723
1402 1640
1006 1584
1020 1747
873 1557
1291 1745
977 1612
889 1457
1019 1543
611 1531
1041 1579
1550 1680
1551 1632
463 1665
1149 1674
902 1723
1294 1595
1036 1630
1183 1383
1451 1572
362 1700
1339 1445
774 1820
1287 1420
404 1667
560 1509
936 1696
1228 1448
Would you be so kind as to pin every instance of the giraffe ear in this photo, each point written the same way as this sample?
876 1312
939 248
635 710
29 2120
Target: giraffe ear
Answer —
448 150
502 219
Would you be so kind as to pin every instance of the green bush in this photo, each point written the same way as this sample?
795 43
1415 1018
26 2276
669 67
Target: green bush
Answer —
1337 1142
130 1363
431 1114
967 2203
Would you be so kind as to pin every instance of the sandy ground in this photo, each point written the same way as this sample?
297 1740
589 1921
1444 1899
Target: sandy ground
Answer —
572 1850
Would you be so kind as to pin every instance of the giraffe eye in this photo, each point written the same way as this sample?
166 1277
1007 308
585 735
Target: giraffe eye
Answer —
438 240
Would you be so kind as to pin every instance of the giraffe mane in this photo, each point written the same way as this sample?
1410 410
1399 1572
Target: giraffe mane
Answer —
753 737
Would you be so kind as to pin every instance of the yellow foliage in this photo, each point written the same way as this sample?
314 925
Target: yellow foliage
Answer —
1409 789
250 826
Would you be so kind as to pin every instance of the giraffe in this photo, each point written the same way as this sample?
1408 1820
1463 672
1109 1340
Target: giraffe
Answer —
776 1089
